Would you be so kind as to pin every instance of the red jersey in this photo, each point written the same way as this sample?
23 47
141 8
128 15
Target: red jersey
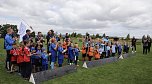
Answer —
20 57
14 53
26 53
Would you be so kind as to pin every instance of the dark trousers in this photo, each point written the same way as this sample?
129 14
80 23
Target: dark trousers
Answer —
44 67
101 56
19 67
76 60
26 69
71 61
89 58
148 49
149 46
104 54
8 60
133 47
113 54
144 49
60 65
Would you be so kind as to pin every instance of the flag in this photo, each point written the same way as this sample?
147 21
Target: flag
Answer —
22 31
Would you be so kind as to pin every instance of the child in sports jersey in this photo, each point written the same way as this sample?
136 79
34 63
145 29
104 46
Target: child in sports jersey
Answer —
33 56
20 57
37 58
76 53
90 52
14 54
103 46
61 52
44 58
53 50
96 53
26 69
119 49
113 48
70 53
108 50
100 51
125 48
65 47
83 51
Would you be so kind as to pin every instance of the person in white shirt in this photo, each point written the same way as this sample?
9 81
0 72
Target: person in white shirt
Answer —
113 49
108 50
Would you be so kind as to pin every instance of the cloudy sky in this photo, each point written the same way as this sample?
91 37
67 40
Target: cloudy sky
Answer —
113 17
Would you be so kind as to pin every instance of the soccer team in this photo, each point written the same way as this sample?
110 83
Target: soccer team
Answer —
30 56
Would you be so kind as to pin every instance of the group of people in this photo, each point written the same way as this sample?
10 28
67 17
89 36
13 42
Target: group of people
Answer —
146 41
33 56
102 48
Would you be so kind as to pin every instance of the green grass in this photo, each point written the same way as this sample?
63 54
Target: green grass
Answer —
133 70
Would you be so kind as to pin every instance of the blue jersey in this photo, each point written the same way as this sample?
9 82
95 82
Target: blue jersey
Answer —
53 52
44 59
60 54
76 51
39 54
119 48
8 42
71 53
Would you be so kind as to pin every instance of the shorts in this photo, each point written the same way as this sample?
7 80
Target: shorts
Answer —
83 55
14 62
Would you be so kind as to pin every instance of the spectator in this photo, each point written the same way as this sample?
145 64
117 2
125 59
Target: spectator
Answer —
149 43
27 35
39 38
133 44
9 40
145 44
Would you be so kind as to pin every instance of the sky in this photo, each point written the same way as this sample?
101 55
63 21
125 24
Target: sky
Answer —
113 17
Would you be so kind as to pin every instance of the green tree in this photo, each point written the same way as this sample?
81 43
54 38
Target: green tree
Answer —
3 29
97 35
128 37
33 34
79 35
93 36
104 35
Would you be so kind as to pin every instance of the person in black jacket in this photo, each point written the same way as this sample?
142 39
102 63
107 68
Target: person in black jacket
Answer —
149 43
133 44
145 44
50 35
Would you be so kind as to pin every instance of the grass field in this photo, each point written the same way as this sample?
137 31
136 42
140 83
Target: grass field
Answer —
133 70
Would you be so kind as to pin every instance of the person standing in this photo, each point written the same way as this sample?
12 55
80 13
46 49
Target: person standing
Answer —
9 40
50 35
145 44
39 37
149 43
53 50
27 37
133 44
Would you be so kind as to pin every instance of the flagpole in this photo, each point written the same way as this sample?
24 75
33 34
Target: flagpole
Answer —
26 23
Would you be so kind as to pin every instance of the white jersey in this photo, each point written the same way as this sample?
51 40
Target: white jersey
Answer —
113 48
